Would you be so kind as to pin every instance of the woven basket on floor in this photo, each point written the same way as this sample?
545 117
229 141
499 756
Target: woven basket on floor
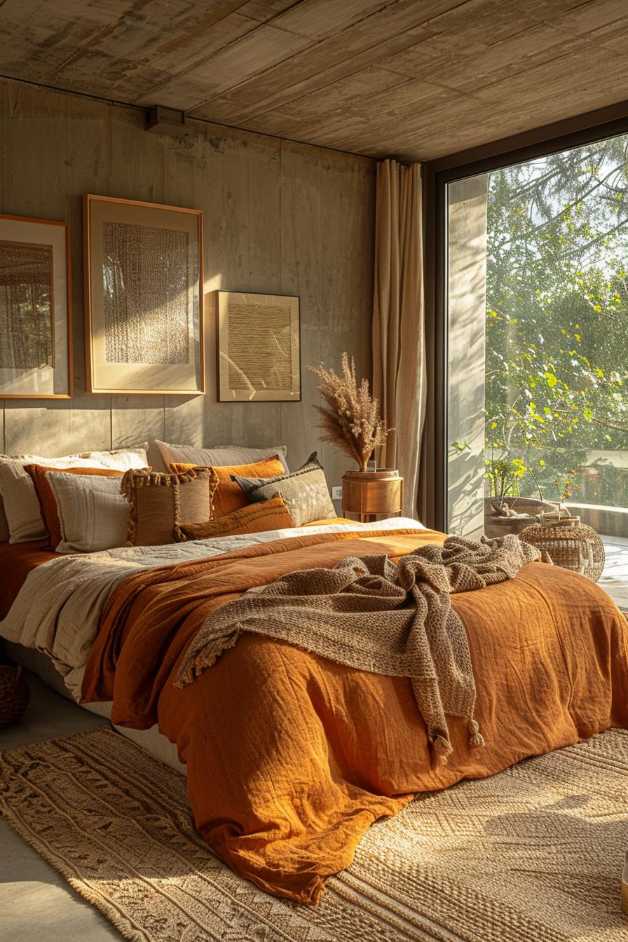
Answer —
530 509
14 694
569 543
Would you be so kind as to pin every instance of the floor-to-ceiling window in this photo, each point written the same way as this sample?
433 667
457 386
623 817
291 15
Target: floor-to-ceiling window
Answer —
537 299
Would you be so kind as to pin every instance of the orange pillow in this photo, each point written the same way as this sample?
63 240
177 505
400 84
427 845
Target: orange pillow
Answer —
270 514
47 502
229 495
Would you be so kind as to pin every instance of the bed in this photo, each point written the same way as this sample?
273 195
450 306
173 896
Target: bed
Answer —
16 562
289 757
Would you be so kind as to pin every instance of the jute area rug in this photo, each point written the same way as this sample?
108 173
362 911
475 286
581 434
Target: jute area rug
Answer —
534 853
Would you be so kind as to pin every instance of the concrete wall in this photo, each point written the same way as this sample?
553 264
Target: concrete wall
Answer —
279 217
466 353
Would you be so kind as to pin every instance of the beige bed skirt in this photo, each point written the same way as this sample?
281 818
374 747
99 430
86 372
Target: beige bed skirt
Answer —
151 740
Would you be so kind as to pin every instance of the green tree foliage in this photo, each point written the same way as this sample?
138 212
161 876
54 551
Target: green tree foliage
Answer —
557 315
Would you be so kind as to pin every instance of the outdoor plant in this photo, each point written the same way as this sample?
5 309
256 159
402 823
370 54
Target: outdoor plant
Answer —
557 319
351 418
503 476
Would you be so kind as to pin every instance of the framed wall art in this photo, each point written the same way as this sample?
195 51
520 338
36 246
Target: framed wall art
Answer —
259 347
35 309
143 297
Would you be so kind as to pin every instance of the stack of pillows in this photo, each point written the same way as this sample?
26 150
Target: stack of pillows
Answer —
99 500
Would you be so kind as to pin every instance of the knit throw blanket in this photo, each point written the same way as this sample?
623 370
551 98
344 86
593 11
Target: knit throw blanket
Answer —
374 615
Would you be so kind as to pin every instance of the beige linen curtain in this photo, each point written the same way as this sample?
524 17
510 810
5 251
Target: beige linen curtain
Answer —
398 320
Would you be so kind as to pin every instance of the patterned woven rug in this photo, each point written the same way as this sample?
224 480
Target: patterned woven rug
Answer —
534 853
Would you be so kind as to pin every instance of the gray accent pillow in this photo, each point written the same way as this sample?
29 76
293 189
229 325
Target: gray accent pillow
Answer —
164 454
305 491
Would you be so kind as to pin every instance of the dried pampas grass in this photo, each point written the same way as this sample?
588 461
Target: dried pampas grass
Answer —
350 418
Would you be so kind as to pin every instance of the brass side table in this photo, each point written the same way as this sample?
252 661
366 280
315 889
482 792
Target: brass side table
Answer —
372 495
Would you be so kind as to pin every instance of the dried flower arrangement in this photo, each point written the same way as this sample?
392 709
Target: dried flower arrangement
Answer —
351 417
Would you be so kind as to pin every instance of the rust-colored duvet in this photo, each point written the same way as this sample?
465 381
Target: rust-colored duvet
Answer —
290 757
17 560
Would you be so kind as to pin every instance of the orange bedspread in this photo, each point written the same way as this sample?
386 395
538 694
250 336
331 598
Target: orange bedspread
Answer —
17 560
290 757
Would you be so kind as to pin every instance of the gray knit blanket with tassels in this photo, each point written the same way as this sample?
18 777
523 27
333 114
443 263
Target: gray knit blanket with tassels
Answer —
374 615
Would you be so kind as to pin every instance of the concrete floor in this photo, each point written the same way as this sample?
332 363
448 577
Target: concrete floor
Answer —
36 904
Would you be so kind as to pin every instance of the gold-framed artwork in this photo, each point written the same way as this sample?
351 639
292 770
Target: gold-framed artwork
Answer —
143 297
35 309
259 347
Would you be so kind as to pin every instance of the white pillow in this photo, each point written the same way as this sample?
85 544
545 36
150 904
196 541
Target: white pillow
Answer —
93 512
19 497
219 455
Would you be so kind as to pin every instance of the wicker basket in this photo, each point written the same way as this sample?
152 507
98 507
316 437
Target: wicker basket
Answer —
569 543
530 509
14 694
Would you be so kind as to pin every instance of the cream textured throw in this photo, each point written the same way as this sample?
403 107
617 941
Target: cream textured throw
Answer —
374 615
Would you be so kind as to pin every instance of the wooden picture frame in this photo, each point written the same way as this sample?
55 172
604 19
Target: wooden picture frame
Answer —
35 309
258 347
143 297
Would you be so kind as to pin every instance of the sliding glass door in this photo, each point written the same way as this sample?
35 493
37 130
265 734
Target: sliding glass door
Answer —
537 311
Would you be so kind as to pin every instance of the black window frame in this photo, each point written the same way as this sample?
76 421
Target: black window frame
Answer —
437 174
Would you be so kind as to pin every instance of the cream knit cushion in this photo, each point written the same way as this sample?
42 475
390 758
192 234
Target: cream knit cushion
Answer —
93 512
19 497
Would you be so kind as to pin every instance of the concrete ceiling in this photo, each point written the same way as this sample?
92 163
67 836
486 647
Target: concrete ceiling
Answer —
414 78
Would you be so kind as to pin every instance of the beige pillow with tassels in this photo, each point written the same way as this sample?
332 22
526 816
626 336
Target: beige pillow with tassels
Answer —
160 502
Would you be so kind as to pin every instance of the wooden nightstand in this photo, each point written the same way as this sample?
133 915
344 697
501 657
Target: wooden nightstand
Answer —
371 495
